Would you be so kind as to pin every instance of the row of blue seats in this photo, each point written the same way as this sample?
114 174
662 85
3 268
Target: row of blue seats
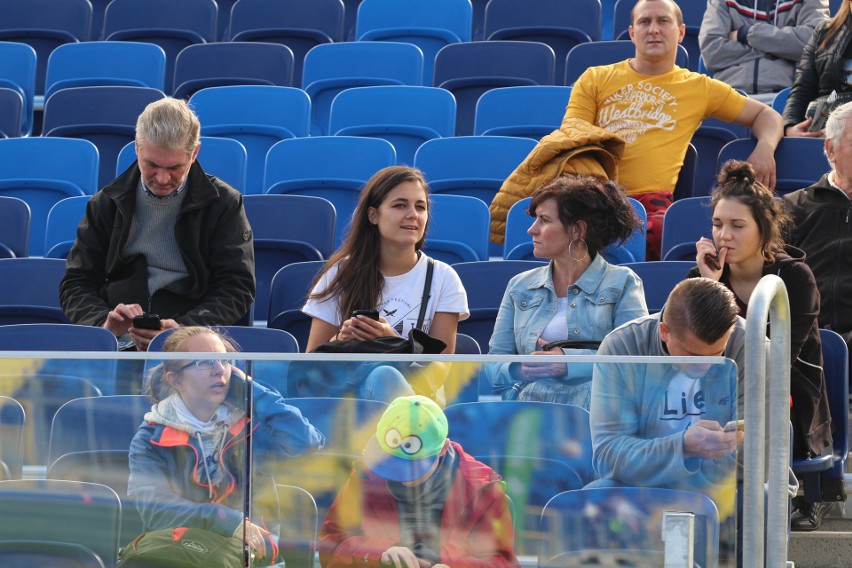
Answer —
44 170
48 23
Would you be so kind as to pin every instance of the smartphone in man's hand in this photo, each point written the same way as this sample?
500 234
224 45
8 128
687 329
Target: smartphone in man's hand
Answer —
147 321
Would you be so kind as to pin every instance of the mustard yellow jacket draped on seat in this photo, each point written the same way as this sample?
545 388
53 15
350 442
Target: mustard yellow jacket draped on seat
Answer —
577 147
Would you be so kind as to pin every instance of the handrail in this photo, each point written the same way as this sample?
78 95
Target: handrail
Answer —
768 299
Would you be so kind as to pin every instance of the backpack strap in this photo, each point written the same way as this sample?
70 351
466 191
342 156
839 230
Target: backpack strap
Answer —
427 289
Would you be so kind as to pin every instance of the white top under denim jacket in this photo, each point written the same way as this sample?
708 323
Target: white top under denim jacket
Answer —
604 297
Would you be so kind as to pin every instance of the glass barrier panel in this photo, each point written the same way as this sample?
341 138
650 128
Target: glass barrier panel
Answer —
571 461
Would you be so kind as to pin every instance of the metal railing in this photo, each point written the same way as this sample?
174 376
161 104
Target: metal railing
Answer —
768 302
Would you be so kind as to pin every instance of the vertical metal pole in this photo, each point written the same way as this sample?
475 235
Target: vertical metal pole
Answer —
768 299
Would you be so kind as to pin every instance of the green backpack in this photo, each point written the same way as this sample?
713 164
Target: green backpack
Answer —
183 547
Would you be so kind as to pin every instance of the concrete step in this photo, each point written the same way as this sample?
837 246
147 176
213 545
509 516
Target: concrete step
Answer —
828 547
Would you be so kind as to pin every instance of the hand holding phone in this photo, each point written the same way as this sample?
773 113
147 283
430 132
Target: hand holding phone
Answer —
372 314
734 425
712 261
147 321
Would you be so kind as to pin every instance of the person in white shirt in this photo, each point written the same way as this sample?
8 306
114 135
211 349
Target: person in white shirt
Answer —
381 267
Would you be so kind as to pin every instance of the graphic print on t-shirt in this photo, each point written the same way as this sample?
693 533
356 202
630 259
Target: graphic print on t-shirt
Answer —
401 315
683 404
636 108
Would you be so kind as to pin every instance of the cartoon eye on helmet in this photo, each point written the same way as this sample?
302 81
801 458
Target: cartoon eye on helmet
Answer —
410 444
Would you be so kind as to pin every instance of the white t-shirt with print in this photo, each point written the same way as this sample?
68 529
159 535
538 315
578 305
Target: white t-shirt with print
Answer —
401 296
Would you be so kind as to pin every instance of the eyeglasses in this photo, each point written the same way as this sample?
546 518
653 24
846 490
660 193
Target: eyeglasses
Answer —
207 364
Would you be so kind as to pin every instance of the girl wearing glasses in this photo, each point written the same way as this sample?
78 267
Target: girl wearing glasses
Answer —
187 460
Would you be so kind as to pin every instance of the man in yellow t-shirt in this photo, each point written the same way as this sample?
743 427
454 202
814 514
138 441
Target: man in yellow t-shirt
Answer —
656 107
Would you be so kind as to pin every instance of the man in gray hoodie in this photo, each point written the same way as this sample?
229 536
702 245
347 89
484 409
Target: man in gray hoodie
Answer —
754 45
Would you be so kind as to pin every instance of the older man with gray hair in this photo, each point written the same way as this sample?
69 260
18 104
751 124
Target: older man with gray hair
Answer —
822 227
163 239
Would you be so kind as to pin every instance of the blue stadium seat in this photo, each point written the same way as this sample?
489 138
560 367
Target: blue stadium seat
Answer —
62 222
333 67
550 22
685 221
18 62
106 116
11 113
458 229
298 519
659 278
822 476
302 166
297 24
42 171
475 166
545 430
99 63
204 65
587 55
693 13
224 158
29 290
158 21
287 229
471 165
26 553
257 116
404 115
96 423
780 100
85 514
485 283
799 162
350 14
428 25
12 422
287 294
469 69
44 25
15 228
66 337
544 107
708 142
592 524
607 8
530 483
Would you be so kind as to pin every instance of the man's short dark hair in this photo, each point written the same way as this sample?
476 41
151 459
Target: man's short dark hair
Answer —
702 306
678 11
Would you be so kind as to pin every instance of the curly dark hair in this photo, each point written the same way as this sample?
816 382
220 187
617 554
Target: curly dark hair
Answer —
737 180
601 203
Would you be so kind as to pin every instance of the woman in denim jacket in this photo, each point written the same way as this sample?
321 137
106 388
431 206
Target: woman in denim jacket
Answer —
577 297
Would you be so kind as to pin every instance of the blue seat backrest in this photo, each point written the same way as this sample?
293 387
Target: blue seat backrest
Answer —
659 278
98 63
587 55
685 221
799 162
203 65
297 24
42 171
45 25
18 64
15 228
330 68
404 115
469 69
544 107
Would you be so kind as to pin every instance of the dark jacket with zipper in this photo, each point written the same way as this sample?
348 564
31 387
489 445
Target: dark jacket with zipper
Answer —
820 71
214 238
810 413
822 227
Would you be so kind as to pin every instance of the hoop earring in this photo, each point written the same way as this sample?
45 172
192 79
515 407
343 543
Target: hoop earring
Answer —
585 253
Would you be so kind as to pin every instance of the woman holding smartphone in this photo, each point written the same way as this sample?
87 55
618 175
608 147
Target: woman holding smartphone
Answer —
747 244
381 268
